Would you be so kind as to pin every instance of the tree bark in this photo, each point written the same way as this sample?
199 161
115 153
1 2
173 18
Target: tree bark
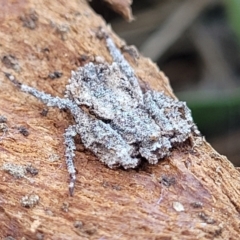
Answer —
193 194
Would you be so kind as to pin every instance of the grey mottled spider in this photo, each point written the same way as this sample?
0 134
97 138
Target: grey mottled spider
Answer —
122 124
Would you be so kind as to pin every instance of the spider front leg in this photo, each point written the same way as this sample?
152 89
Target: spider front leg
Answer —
49 100
69 135
70 132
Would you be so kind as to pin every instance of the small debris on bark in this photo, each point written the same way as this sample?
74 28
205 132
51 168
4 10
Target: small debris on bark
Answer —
197 205
32 170
206 218
78 224
3 127
30 201
83 58
53 158
30 19
167 181
3 119
132 51
44 112
61 29
11 61
15 170
65 207
55 74
178 206
39 236
23 130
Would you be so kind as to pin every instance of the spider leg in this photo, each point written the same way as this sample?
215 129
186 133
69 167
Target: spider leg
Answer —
70 132
69 135
48 99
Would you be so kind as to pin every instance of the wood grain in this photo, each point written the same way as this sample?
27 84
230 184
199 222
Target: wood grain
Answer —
108 204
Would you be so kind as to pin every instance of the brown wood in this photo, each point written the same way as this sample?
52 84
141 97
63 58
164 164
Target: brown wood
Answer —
123 7
38 37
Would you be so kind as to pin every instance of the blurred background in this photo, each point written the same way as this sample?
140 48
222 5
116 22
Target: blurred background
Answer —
197 44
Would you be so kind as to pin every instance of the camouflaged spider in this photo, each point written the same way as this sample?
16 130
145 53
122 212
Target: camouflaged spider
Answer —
122 124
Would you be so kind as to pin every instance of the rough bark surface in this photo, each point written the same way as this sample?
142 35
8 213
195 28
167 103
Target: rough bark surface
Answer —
194 194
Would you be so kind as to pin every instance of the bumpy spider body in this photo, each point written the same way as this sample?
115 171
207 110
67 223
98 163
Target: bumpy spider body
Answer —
115 119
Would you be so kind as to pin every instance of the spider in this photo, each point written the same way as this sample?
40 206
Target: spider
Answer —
118 121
